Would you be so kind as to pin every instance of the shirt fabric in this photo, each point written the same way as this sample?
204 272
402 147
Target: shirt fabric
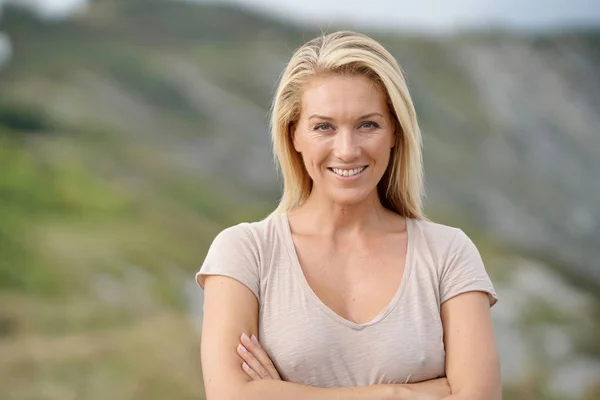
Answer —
312 345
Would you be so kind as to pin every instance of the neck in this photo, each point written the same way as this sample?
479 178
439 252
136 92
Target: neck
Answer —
327 218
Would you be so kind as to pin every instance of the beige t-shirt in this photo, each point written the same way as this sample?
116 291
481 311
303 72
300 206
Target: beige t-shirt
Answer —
312 345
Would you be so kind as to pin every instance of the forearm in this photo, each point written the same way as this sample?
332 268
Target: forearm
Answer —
276 390
439 389
473 396
434 389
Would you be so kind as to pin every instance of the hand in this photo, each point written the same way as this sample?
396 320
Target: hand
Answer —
257 364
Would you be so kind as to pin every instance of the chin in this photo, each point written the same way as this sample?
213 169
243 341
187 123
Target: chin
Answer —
349 197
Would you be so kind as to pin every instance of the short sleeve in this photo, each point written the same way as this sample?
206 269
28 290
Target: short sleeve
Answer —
463 271
233 253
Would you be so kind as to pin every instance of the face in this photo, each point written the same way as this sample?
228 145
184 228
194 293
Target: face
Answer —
344 134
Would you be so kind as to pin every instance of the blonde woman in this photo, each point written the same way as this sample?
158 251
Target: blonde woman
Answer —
347 291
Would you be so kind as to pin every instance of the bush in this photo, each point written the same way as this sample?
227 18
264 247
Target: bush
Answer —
21 118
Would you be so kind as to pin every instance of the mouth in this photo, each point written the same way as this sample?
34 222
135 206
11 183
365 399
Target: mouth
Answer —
348 173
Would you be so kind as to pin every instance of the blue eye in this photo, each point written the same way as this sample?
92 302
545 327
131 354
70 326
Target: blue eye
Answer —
369 125
321 127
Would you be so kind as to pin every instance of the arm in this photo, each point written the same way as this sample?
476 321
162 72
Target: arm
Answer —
472 362
258 366
230 308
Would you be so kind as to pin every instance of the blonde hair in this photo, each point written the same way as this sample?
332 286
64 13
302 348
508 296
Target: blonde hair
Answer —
349 53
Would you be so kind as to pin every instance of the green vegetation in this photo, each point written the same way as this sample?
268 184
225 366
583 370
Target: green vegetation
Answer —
99 235
19 119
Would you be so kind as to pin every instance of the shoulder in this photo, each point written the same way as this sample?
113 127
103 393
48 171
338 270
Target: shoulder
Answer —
438 236
457 260
442 242
241 252
265 231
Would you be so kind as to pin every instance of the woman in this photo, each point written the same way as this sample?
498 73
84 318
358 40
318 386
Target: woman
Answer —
346 291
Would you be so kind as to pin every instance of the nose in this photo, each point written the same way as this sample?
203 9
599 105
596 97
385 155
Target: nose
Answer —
347 145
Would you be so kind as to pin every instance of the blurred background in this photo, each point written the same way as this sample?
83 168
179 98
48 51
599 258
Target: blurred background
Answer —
133 131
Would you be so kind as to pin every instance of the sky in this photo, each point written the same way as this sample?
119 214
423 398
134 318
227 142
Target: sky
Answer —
435 15
415 15
52 8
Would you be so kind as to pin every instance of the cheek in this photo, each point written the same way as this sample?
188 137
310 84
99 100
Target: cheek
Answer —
381 151
314 155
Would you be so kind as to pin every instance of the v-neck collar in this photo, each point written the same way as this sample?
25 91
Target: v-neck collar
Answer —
301 278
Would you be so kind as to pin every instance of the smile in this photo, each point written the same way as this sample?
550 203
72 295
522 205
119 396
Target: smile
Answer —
347 172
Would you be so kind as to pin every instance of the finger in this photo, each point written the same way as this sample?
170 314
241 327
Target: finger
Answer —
250 372
252 362
254 347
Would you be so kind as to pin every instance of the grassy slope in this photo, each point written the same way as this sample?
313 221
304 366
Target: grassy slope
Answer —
97 234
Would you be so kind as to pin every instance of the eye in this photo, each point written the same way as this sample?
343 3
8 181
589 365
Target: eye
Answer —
369 125
322 127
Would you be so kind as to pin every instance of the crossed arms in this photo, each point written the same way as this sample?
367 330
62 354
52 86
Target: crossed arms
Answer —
230 309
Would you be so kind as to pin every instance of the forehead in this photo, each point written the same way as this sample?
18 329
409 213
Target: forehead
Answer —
343 96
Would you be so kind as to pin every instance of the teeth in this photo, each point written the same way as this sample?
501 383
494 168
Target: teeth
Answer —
348 172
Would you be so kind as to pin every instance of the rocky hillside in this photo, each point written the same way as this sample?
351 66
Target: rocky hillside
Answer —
132 133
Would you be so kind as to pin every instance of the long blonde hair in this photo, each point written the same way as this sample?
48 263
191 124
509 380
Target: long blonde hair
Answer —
349 53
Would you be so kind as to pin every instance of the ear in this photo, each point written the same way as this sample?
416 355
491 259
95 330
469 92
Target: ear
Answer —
393 138
292 130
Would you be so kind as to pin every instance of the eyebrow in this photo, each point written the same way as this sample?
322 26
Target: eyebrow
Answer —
331 119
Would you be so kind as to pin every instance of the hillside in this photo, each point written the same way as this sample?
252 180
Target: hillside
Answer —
131 134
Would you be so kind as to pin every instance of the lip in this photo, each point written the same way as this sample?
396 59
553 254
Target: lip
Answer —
349 167
349 178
